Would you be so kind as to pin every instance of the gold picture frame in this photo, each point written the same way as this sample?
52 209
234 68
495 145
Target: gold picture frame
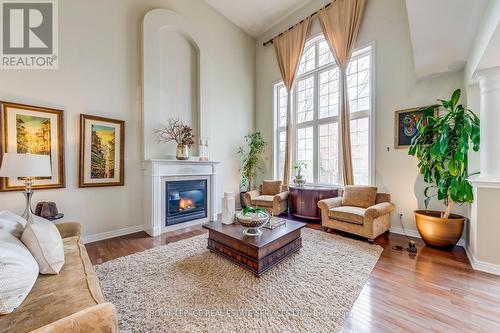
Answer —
404 132
102 151
36 130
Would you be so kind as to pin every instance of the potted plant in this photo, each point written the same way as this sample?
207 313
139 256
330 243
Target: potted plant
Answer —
181 134
299 168
255 146
441 146
252 219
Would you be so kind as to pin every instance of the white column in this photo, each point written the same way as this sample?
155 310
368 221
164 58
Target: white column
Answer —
483 247
489 87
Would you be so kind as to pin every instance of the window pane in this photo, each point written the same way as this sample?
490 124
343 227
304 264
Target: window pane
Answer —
282 102
281 153
325 56
360 149
329 93
305 99
307 62
358 83
305 151
328 153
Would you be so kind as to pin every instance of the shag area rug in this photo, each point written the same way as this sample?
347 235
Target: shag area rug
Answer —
182 287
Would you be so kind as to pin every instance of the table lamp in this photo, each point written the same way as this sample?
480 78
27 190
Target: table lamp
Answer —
27 167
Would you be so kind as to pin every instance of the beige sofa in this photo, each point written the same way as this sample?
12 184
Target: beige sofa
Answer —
70 301
360 211
271 196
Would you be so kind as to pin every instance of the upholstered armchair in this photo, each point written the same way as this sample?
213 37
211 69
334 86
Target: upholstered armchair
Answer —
360 211
271 196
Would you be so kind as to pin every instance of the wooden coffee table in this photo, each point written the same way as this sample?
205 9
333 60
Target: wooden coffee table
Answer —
256 254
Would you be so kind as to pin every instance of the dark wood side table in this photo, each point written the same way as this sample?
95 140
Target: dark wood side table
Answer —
304 200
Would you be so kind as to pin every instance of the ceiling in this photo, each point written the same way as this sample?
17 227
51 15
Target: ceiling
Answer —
442 33
256 16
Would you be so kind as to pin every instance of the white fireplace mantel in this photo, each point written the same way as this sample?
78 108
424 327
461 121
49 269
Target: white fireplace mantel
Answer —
156 173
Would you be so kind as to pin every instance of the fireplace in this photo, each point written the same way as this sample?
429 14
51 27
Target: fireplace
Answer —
186 200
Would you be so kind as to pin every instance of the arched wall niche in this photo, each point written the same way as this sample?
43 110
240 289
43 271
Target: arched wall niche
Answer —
173 79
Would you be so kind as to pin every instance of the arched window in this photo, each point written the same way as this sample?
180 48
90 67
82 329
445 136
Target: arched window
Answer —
315 115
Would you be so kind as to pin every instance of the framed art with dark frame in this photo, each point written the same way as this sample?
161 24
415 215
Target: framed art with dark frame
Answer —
27 129
405 127
102 145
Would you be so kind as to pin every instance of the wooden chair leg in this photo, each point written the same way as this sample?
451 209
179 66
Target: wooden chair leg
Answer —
387 234
326 229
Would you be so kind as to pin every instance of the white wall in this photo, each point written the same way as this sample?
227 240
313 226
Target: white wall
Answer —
386 24
100 73
179 86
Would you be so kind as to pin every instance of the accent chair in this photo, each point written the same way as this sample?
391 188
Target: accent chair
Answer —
272 196
360 211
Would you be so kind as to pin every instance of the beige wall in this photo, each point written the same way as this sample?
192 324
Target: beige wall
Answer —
100 73
386 24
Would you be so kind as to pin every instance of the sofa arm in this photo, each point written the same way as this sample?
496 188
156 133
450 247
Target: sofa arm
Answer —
379 210
69 229
327 204
100 318
250 195
280 197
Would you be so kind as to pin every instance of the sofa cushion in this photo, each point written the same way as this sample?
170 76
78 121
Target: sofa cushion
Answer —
349 214
18 272
44 241
359 196
53 297
12 223
271 187
263 200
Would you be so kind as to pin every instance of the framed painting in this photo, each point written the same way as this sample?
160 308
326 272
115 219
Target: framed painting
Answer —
406 125
102 143
28 129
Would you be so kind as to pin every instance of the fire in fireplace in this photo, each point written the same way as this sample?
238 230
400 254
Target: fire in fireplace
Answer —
186 201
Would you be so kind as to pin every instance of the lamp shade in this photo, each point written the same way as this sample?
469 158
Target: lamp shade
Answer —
25 165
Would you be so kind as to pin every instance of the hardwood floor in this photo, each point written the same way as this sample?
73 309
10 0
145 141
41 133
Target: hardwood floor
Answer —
434 291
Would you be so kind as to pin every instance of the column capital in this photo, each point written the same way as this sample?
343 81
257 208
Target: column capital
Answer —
489 79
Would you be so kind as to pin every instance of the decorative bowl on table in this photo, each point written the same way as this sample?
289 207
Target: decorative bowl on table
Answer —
252 219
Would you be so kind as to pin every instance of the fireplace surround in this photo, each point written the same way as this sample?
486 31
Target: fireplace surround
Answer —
160 174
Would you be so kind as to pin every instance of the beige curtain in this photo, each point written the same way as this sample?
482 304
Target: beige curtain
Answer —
340 24
289 47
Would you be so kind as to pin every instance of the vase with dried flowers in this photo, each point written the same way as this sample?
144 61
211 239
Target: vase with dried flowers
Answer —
181 134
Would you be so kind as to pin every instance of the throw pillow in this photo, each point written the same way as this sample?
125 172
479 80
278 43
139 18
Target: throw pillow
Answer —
18 272
12 223
44 241
359 196
271 187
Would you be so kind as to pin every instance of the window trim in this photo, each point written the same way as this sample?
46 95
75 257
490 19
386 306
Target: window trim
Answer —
316 122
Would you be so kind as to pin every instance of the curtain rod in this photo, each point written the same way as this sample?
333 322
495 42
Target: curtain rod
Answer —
316 12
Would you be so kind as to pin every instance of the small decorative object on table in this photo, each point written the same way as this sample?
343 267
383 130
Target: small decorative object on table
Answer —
228 208
48 210
181 134
275 222
204 153
252 219
299 168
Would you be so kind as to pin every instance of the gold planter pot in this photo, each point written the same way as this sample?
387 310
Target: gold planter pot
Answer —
182 152
437 231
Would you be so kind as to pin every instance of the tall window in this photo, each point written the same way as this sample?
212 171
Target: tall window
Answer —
315 115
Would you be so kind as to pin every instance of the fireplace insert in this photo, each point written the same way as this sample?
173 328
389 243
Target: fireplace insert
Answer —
186 201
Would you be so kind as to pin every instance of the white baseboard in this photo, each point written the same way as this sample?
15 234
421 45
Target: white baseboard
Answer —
414 233
482 266
113 233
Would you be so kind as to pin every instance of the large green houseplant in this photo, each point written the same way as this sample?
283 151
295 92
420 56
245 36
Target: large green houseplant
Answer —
255 145
442 145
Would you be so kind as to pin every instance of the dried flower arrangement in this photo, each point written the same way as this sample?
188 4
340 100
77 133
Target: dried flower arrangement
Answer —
178 132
